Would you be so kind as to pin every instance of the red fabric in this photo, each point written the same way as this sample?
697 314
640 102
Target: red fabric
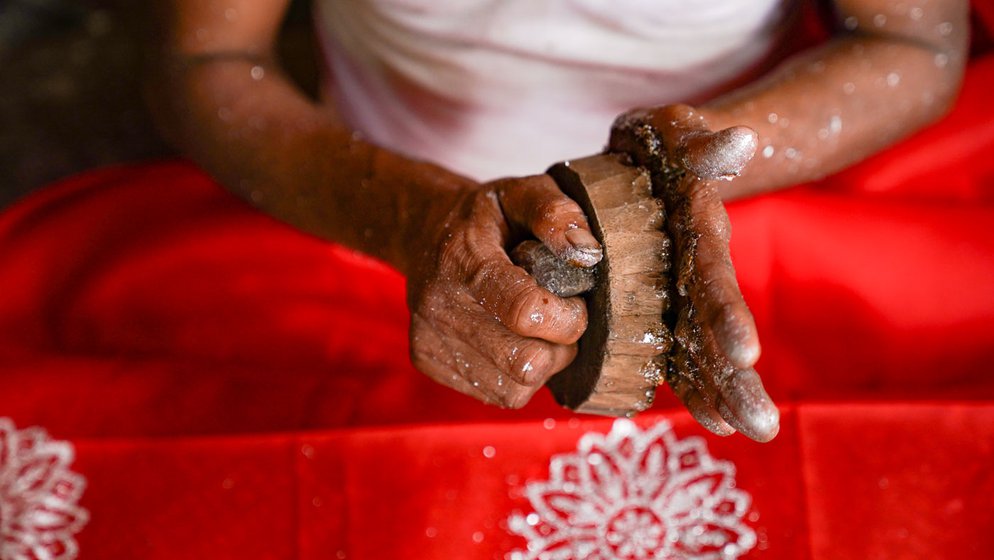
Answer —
894 482
237 390
982 40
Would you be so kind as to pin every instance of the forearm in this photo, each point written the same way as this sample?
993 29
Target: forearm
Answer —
239 118
835 105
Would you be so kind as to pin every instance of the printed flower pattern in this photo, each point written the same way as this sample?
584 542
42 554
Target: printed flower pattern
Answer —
39 495
635 495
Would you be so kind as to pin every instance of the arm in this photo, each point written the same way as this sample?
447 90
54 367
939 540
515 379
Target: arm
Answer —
892 68
219 95
221 98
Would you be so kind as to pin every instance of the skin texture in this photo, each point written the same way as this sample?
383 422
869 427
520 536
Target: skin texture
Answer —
893 68
479 324
716 342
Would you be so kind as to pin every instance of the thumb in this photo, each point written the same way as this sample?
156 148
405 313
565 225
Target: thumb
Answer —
717 155
684 137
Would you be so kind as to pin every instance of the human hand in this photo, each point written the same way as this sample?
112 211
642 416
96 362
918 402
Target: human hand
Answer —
717 345
480 324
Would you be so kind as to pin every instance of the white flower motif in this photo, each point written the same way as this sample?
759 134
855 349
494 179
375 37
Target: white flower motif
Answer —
39 514
635 495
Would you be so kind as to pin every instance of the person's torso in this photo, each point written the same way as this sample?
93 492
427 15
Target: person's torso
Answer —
507 87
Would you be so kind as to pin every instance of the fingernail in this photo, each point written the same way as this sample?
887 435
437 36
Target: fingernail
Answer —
586 245
583 240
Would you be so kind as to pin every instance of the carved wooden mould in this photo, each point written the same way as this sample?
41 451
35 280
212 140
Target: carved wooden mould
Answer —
621 355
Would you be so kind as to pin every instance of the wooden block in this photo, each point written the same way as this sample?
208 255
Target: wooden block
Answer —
617 370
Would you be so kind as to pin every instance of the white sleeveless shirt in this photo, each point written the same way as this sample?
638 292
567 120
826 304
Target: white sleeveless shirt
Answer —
493 88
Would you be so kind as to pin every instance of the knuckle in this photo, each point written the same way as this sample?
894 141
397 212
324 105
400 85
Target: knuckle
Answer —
427 362
482 278
725 224
455 248
524 312
709 209
486 201
564 324
548 214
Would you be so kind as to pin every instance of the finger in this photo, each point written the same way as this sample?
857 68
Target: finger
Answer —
736 394
528 361
460 366
705 414
528 366
677 123
520 304
717 155
531 369
433 356
716 290
688 140
531 362
670 125
744 403
537 204
537 367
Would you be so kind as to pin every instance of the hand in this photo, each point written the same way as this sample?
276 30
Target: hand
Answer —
711 368
480 324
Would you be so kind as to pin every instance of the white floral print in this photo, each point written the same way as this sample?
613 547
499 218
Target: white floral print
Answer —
635 495
39 495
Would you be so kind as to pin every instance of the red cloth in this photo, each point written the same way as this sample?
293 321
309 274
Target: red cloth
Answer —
235 389
845 481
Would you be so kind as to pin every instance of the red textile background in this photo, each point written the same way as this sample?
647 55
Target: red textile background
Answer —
870 481
237 390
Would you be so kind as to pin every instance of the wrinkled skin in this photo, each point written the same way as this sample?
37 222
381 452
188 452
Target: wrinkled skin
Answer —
723 391
716 381
482 325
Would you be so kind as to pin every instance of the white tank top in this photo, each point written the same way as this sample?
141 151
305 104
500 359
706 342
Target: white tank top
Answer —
493 88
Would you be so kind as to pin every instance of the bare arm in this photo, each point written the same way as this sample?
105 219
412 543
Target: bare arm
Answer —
220 96
892 68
